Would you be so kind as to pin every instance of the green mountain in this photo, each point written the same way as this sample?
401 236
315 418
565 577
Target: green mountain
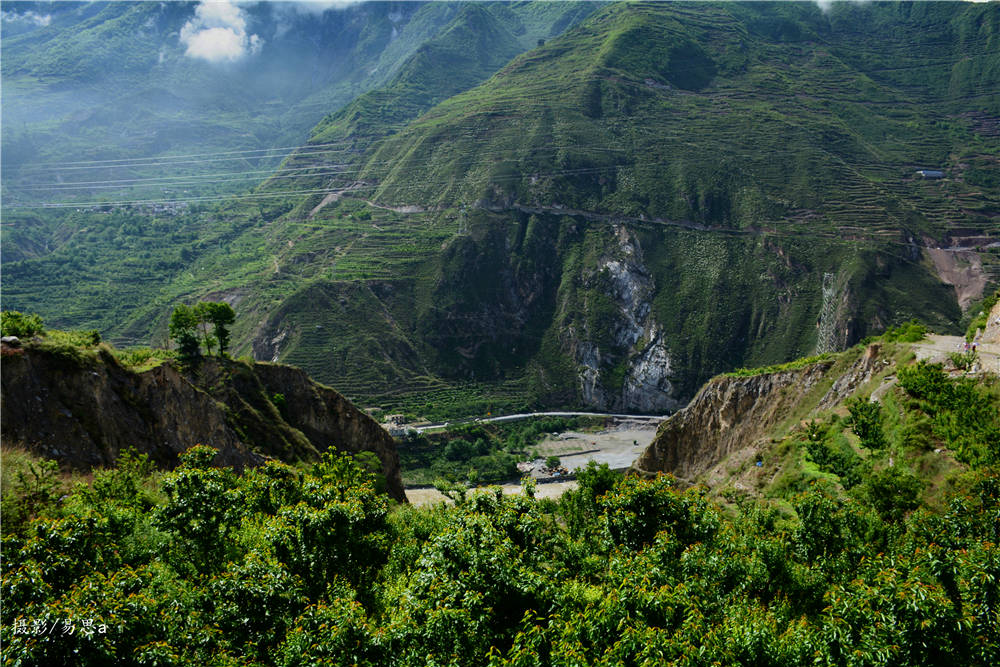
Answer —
663 192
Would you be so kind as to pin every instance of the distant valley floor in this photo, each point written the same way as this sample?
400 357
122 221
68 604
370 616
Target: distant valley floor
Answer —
617 446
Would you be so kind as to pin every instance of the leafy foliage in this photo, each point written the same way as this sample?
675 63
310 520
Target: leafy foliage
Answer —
527 177
982 317
908 332
963 413
866 422
964 361
220 316
285 566
183 326
206 323
777 368
13 323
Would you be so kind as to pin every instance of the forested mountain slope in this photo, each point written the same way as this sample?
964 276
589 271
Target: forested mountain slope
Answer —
661 193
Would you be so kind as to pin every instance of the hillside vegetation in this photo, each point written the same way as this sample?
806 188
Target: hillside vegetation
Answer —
71 397
874 542
143 119
291 566
661 193
852 421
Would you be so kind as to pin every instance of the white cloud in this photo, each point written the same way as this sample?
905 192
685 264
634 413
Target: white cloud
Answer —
825 5
320 6
218 33
27 17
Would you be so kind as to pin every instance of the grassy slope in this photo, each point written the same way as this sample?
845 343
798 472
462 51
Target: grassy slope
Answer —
813 445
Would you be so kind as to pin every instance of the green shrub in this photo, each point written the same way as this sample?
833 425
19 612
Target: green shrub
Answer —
13 323
789 366
909 332
142 358
31 488
459 449
964 414
964 360
893 492
866 422
636 510
982 318
280 403
199 509
832 453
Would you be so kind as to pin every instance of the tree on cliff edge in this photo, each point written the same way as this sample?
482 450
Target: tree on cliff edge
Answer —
206 324
220 316
183 330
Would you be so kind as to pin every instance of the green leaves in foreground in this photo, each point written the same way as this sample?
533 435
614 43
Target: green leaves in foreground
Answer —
291 567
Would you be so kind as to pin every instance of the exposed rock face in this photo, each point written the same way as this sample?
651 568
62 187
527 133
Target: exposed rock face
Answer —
992 332
637 341
728 414
962 269
647 385
269 347
588 356
84 413
860 372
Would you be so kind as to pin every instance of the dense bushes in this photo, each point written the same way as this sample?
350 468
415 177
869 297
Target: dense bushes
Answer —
13 323
962 412
284 566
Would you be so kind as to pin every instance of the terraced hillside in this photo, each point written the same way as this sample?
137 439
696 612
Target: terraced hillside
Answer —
671 189
92 114
663 192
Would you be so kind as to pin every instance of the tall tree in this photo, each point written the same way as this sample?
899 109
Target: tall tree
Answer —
183 330
866 422
220 316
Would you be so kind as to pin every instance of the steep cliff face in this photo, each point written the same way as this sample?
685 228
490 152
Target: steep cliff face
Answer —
991 334
728 414
732 413
84 412
620 350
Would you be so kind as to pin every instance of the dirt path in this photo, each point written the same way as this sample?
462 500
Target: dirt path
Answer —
420 497
937 348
